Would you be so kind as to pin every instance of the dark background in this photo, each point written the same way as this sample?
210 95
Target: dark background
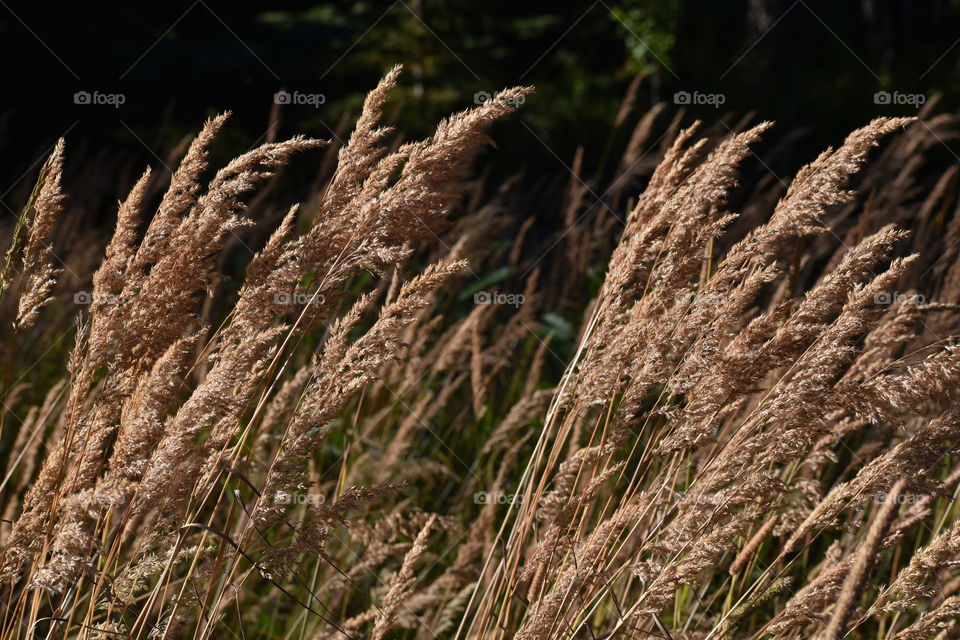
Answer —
806 64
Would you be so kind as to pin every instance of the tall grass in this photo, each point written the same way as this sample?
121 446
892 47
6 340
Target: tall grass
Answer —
395 424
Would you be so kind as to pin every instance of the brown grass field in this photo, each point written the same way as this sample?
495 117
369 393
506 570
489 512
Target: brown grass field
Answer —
410 415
